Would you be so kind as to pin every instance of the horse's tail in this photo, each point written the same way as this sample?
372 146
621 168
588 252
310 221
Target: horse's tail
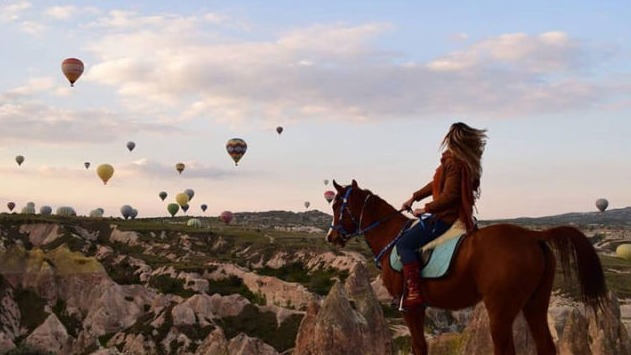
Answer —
577 254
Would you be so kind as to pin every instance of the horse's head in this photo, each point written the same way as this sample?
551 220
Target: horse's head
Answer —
348 208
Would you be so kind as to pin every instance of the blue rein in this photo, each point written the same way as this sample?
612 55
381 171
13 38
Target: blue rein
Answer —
392 243
361 231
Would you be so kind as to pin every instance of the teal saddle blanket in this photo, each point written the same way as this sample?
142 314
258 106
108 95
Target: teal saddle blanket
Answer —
439 260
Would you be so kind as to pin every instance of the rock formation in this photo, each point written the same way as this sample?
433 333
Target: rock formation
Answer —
93 288
274 290
50 336
576 330
245 345
349 321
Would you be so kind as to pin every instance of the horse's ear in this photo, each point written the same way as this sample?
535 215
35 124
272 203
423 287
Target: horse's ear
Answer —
354 184
337 186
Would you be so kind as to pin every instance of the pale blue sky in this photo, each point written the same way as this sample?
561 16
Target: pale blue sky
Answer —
364 90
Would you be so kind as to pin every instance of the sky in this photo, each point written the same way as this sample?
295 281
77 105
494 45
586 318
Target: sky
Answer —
364 90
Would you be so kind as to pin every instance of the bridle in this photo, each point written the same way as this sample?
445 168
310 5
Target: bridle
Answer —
358 230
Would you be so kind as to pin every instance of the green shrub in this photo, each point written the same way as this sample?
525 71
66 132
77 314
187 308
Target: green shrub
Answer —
71 323
24 349
168 285
31 308
263 325
103 339
234 285
318 281
122 273
195 332
402 345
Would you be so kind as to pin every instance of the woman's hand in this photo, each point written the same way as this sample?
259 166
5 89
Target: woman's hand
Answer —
407 205
418 212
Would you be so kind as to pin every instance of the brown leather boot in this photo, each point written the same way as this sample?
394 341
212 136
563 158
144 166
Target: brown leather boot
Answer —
411 274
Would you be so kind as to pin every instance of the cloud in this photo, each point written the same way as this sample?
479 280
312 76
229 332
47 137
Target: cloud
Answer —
459 37
545 53
69 12
194 170
33 86
33 28
13 11
180 68
25 121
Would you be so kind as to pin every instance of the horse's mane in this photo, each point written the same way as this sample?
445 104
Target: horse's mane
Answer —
380 199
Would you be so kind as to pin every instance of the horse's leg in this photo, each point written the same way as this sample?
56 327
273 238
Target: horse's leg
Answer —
536 310
415 320
501 318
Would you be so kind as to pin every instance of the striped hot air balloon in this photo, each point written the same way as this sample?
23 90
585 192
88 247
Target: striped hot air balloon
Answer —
236 148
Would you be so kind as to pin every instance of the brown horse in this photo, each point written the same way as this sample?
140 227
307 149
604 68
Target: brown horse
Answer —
508 267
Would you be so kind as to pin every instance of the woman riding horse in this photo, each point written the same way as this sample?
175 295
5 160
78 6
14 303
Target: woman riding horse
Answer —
454 189
509 268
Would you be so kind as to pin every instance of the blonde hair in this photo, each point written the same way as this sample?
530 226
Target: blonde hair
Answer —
467 144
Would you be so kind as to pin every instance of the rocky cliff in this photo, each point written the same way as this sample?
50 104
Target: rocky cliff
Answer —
575 329
88 286
349 321
105 286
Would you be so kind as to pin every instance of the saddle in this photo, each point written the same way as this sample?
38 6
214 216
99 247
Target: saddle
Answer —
436 256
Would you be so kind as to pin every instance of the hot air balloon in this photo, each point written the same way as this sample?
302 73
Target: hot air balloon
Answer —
72 69
624 251
185 207
97 213
11 206
204 207
173 208
602 204
194 223
162 195
45 210
190 193
180 167
226 216
307 204
131 145
86 164
134 213
329 196
126 211
66 211
28 209
181 199
19 159
236 147
105 172
326 181
279 129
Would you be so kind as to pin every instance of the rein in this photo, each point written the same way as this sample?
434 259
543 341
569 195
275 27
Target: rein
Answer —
345 235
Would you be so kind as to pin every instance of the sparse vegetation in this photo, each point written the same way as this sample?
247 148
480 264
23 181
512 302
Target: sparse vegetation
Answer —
234 285
122 273
105 338
71 323
24 349
263 325
169 285
402 345
318 281
31 308
250 243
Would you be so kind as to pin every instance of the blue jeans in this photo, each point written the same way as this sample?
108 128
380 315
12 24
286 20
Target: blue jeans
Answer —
426 230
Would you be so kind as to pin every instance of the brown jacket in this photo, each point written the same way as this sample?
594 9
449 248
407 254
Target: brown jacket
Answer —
452 191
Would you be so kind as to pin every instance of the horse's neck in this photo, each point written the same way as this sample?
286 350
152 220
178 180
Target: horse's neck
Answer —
379 237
